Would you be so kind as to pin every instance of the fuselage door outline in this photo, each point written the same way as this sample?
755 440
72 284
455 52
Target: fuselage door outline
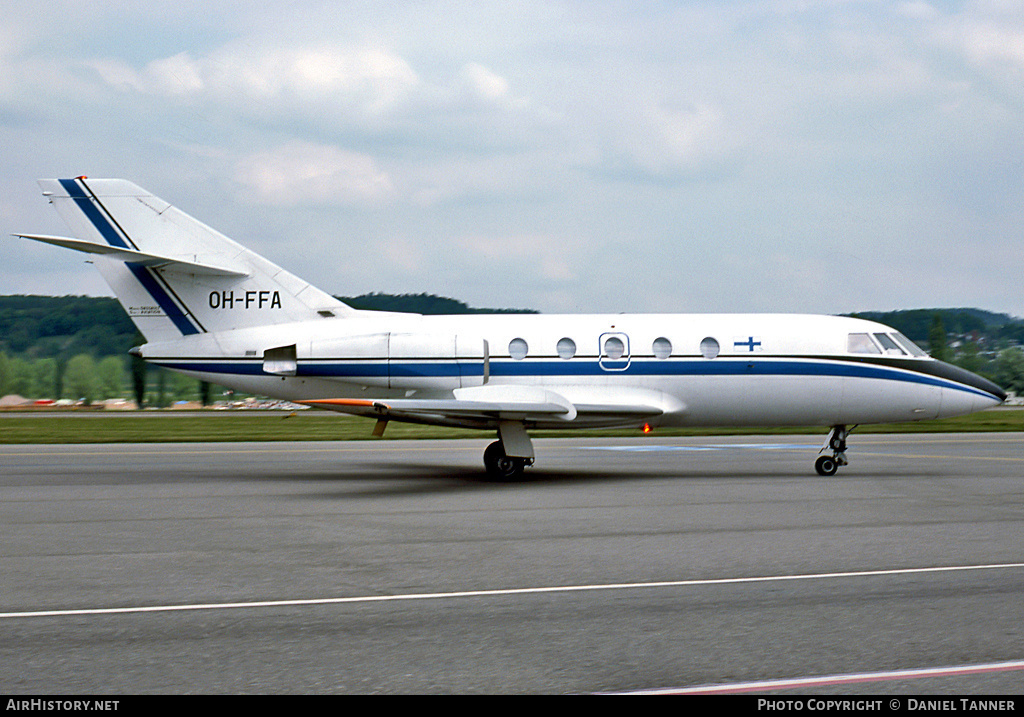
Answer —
613 351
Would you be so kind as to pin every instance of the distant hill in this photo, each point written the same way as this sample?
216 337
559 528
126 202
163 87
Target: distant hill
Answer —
53 326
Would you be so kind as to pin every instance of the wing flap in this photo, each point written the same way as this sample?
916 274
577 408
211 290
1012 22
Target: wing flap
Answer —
410 408
487 404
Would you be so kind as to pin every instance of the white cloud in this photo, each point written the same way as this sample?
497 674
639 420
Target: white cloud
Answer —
301 173
548 256
683 137
258 78
991 43
665 140
489 87
327 90
917 10
485 83
366 79
171 76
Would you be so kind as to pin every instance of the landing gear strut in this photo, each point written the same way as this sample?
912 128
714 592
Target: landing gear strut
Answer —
827 465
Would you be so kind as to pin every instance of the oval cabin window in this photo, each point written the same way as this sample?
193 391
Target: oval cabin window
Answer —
566 348
709 348
662 348
614 348
517 349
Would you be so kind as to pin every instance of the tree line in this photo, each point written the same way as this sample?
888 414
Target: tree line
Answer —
82 378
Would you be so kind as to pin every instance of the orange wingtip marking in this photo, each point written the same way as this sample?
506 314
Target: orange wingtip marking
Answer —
339 402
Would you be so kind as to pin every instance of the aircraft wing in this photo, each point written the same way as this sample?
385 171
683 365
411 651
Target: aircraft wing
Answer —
486 404
136 257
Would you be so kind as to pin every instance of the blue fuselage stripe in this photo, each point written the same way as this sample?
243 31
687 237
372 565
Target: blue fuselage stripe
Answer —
542 369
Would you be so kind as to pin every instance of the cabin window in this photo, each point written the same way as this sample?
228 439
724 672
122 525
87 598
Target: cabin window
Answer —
614 348
517 349
662 347
889 346
709 348
566 348
909 345
861 344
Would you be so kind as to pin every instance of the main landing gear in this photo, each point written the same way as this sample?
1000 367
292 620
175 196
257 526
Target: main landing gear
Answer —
503 466
508 457
827 465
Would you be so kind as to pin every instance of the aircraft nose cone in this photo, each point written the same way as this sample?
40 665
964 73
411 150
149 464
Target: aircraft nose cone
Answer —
973 380
968 392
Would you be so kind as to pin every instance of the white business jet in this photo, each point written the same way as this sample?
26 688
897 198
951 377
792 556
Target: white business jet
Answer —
214 310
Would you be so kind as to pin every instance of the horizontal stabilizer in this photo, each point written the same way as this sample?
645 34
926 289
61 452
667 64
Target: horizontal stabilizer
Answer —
136 257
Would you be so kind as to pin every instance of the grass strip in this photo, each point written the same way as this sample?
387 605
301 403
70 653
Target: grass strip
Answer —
223 426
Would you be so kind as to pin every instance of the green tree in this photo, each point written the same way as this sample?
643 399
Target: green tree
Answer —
80 378
110 377
44 373
186 388
937 346
5 373
22 380
161 388
62 368
1009 370
970 358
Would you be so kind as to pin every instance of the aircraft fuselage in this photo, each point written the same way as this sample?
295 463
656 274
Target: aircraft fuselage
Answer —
698 369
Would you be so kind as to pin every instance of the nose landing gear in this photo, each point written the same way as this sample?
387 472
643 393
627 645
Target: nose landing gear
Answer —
827 465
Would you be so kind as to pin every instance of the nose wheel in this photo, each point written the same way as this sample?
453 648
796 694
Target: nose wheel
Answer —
828 464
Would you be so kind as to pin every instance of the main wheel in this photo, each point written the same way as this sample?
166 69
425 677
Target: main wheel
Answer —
499 465
826 466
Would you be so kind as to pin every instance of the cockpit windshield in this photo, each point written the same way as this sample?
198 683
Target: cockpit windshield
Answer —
894 344
890 346
909 345
862 344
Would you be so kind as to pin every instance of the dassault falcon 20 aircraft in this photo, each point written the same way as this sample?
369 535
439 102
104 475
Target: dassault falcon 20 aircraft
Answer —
212 309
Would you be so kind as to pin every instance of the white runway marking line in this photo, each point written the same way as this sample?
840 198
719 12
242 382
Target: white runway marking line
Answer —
309 602
706 447
828 680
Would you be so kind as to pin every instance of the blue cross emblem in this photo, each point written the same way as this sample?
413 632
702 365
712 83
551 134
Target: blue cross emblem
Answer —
750 344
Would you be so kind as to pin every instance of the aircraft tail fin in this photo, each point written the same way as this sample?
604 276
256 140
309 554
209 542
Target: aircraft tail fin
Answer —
174 275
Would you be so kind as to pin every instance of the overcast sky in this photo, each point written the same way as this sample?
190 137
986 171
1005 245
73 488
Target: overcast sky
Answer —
796 155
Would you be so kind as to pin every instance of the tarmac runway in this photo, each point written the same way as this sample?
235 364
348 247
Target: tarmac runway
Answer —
617 565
